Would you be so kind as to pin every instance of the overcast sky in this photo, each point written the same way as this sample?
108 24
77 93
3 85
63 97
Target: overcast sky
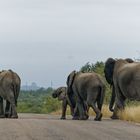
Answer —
44 40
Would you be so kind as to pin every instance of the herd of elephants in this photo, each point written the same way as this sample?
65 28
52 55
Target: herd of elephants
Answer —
83 90
86 90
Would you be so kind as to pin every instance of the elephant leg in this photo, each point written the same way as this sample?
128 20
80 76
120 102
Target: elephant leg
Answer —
13 105
99 105
115 113
79 112
86 109
14 112
8 110
97 111
76 113
1 108
120 100
72 110
118 107
82 111
64 108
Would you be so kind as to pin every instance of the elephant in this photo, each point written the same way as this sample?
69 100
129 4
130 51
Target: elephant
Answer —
124 76
61 94
9 90
86 89
110 80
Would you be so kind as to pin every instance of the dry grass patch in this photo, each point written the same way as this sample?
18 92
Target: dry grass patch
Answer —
131 114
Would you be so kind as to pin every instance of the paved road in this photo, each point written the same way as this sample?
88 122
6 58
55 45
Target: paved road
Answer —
46 127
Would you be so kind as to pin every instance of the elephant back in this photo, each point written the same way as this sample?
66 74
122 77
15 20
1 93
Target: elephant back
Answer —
8 78
89 77
5 75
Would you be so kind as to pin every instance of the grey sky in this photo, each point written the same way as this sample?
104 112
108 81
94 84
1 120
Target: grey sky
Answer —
44 40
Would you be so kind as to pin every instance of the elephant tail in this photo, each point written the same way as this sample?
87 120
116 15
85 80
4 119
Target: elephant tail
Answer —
15 87
16 93
101 97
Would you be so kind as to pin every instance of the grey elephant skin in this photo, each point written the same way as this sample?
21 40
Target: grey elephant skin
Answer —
86 89
61 94
9 91
124 76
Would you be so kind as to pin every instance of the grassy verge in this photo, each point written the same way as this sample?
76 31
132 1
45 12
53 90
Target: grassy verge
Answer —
131 114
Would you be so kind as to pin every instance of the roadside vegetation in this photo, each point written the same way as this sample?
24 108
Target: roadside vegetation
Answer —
40 101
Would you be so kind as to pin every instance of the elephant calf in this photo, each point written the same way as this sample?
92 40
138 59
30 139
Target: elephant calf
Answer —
60 93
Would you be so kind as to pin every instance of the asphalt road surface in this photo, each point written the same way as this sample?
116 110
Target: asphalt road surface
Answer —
49 127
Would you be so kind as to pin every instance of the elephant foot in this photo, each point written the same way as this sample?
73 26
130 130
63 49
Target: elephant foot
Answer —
75 118
114 117
2 116
14 116
7 115
83 117
63 118
98 117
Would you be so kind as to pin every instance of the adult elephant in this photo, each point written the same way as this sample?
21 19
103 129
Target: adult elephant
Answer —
109 77
87 89
9 90
124 76
61 94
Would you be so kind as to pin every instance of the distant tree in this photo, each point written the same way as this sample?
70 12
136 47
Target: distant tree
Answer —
86 68
97 67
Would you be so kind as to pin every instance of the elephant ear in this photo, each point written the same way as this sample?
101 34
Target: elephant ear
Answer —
70 78
69 90
129 60
109 68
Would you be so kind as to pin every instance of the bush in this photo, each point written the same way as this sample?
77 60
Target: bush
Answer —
38 101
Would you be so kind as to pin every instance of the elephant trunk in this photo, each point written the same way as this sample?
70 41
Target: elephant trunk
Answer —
113 96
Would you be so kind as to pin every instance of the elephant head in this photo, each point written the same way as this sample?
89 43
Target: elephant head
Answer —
109 68
60 93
